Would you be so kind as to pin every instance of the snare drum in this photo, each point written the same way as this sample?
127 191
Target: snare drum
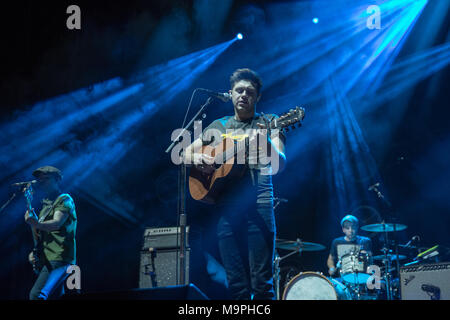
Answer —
315 286
354 267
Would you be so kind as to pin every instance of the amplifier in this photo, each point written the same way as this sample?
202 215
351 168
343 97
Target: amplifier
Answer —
425 281
160 268
163 238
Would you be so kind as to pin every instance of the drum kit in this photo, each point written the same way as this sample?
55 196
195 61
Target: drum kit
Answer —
356 271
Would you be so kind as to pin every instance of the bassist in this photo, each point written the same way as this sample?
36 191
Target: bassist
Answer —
56 227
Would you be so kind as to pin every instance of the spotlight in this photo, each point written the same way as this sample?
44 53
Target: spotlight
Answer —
239 36
315 20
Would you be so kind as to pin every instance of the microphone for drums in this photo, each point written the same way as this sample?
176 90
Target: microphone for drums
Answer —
374 186
413 239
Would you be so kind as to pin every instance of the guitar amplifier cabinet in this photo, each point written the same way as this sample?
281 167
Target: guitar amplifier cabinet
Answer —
159 265
163 238
160 268
425 281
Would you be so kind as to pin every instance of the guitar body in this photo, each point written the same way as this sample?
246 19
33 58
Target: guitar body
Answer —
206 187
37 265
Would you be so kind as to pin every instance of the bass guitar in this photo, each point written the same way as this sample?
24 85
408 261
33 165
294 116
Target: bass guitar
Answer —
37 246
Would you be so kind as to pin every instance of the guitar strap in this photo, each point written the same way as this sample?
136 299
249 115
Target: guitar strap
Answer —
50 209
252 125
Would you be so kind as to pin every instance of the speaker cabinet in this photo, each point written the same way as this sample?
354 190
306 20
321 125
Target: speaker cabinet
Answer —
425 282
160 268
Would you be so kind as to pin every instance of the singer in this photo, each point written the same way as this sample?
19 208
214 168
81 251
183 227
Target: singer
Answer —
246 226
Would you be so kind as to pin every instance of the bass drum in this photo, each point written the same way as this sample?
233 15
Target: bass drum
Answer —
315 286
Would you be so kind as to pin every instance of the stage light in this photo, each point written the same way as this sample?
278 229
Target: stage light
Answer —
315 20
239 36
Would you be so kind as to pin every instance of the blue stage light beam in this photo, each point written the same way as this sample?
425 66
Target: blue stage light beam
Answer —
349 72
388 49
350 164
20 151
135 102
342 61
410 71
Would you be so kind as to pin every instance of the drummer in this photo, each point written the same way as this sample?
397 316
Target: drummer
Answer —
343 245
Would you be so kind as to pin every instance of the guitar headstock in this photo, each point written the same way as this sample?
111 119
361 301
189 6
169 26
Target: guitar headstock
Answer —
289 119
28 193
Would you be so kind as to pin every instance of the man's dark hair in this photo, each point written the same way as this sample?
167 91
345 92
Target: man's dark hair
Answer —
246 74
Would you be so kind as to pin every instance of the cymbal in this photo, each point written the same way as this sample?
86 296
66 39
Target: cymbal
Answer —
298 245
390 257
383 227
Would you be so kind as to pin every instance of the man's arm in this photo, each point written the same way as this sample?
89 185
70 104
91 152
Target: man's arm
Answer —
59 218
331 265
193 155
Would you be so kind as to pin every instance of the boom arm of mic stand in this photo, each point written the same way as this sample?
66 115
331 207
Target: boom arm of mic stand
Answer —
8 202
207 103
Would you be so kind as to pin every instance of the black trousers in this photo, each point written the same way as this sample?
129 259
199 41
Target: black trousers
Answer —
246 238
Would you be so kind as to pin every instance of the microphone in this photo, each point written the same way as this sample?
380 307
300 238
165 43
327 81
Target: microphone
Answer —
413 239
281 199
224 96
20 184
374 186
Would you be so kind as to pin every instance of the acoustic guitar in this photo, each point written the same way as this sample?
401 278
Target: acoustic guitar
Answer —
206 186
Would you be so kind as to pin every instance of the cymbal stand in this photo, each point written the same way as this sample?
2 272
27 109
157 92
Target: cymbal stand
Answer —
276 266
356 278
387 268
388 275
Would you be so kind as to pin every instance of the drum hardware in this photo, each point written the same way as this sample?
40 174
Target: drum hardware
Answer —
386 258
297 247
354 271
389 256
385 228
277 201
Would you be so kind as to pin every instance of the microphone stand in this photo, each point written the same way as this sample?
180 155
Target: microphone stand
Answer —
389 206
8 202
181 207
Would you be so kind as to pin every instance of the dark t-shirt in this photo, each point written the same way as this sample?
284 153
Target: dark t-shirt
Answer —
340 246
256 180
